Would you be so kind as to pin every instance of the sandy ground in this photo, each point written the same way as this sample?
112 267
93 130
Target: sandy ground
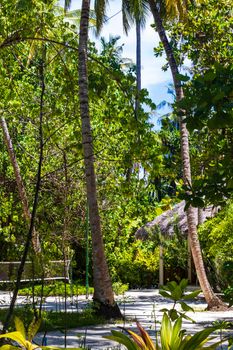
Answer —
142 305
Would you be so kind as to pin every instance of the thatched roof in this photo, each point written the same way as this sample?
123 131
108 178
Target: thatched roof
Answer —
176 217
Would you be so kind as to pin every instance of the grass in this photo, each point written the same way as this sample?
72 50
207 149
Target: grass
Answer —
52 320
56 289
60 289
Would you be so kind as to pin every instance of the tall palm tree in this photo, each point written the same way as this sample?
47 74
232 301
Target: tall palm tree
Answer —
103 293
176 6
135 12
132 10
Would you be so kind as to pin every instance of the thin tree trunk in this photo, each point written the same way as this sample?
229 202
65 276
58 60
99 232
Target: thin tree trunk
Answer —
103 293
33 216
212 300
20 185
138 66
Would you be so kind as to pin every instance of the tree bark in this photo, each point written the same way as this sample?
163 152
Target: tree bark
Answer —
20 185
34 209
212 300
103 293
138 66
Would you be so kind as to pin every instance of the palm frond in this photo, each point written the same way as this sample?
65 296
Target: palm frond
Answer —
100 11
134 10
67 5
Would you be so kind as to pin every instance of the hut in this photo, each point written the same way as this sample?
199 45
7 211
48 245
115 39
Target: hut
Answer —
167 222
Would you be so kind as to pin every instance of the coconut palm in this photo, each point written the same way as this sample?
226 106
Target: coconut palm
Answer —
103 293
133 10
173 8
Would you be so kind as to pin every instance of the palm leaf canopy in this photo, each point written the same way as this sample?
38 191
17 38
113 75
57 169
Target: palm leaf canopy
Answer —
132 11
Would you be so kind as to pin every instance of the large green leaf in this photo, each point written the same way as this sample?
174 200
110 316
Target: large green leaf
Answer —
183 283
8 347
19 326
165 294
122 339
146 338
177 293
198 339
186 307
16 336
192 295
182 77
176 337
166 332
33 328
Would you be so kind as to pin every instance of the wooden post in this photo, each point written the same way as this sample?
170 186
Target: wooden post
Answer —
161 266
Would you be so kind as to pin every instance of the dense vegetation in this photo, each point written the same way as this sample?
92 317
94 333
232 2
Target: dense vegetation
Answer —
138 170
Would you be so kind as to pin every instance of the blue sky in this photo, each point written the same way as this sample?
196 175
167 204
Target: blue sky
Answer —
153 78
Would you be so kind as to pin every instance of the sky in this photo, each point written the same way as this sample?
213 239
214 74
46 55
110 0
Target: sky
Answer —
154 79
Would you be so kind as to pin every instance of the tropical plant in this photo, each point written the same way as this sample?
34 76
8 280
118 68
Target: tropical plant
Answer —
23 338
177 293
20 336
171 337
159 10
103 292
211 298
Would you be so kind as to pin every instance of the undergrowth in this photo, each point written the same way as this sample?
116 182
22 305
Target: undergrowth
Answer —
52 320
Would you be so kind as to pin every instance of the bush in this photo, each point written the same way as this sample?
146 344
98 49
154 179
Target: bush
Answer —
216 237
137 266
120 288
56 289
52 320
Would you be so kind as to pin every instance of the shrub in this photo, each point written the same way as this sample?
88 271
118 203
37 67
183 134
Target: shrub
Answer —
137 266
56 289
216 237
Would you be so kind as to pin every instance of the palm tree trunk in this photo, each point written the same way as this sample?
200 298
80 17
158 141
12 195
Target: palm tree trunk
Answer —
20 185
138 66
212 300
103 293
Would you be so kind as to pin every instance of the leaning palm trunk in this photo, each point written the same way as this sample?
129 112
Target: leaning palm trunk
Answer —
212 300
103 293
20 185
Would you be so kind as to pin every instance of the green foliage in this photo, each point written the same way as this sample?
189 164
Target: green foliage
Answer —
136 265
120 288
228 295
171 337
207 103
207 29
209 100
217 242
177 293
55 289
24 339
53 320
175 255
124 199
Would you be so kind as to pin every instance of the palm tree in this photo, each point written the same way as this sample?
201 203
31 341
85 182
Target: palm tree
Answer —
176 6
132 10
135 12
103 293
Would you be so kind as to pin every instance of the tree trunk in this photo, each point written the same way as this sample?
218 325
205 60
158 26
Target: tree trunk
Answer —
103 293
20 185
34 209
138 66
212 300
